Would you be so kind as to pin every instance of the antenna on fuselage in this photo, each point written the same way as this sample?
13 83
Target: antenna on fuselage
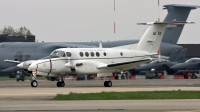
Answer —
100 44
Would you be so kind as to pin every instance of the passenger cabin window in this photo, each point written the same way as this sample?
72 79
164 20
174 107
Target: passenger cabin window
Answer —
121 53
68 54
97 54
104 54
92 54
86 54
81 54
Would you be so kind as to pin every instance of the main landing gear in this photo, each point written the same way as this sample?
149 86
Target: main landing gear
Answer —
108 83
60 82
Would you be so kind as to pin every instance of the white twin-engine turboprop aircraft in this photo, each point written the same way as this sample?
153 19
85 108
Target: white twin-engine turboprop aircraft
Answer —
101 61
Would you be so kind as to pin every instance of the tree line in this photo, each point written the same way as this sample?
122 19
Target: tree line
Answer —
22 31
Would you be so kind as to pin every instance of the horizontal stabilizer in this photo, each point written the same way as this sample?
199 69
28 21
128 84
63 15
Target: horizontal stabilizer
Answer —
170 22
181 5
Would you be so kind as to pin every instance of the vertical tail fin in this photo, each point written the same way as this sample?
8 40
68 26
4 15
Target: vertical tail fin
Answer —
152 37
176 12
181 56
174 55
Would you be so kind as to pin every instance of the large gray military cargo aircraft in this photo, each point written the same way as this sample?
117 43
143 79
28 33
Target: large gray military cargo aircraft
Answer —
32 51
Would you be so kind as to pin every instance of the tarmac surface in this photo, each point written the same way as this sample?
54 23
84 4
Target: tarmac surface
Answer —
19 96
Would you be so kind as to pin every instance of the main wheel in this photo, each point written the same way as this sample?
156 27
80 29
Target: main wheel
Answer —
109 84
58 84
62 84
106 84
34 83
193 76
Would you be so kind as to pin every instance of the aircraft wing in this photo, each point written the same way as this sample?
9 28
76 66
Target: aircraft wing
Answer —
12 61
12 69
122 63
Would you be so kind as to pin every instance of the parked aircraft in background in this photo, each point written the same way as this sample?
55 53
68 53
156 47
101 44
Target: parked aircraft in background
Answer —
172 57
161 65
101 61
190 66
33 51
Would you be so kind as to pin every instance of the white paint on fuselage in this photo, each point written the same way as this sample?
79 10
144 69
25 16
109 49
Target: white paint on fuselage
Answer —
90 63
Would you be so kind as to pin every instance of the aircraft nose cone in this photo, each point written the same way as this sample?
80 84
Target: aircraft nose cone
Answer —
20 65
32 67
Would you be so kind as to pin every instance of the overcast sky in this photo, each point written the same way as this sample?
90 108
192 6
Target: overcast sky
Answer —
91 20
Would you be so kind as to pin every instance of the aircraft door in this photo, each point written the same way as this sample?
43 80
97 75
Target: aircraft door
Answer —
46 66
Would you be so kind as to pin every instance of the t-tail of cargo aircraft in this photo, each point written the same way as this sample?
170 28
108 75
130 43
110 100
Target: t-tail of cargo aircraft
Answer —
176 12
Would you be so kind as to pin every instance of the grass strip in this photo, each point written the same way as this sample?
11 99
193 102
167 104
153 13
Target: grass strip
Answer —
139 95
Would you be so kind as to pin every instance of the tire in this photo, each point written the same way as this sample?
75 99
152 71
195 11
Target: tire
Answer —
34 83
106 84
58 84
193 76
109 84
62 84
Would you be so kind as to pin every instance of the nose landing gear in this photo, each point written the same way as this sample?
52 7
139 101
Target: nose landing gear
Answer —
34 83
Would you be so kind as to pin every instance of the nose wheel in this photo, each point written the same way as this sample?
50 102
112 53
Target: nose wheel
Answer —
34 83
107 84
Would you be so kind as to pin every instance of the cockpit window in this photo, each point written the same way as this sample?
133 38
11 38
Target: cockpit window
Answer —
192 60
68 54
63 55
57 53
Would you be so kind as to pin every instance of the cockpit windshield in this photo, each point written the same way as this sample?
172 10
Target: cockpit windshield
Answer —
192 60
157 61
57 54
